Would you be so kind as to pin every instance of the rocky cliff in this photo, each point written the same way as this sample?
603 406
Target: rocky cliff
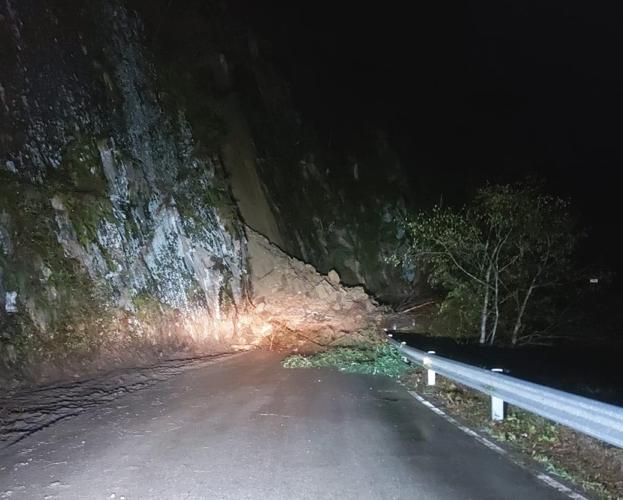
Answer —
136 141
115 228
325 193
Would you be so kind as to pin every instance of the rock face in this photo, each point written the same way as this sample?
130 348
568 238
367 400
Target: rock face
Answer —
338 205
133 145
302 308
328 196
115 229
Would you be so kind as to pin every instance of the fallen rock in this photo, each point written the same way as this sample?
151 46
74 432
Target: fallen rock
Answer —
303 306
334 277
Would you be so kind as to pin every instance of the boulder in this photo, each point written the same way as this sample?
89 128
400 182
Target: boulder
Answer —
333 277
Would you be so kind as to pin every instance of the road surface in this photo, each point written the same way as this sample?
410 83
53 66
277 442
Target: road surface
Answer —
244 427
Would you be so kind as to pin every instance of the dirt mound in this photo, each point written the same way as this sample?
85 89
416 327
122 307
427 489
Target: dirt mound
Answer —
304 308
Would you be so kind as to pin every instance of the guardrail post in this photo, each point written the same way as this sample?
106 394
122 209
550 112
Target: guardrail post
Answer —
402 344
430 374
498 406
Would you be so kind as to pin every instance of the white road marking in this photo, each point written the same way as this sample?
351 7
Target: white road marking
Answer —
549 480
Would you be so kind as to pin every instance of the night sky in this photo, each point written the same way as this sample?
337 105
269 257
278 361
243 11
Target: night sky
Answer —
470 92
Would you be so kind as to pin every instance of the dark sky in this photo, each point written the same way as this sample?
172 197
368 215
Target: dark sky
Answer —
472 91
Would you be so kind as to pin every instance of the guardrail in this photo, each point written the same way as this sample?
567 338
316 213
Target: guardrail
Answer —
600 420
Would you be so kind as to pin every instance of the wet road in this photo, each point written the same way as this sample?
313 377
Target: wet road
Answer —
244 427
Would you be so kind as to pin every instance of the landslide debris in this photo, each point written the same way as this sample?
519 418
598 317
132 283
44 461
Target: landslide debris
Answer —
302 308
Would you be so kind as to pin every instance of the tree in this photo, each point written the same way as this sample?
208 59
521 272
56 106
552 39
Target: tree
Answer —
508 243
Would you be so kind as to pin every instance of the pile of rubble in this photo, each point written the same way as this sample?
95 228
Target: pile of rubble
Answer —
303 309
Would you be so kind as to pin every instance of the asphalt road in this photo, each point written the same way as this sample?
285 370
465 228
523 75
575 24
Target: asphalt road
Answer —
246 428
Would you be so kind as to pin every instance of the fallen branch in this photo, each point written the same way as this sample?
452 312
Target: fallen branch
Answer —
417 307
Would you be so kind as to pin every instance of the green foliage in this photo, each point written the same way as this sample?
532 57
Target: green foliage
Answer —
498 258
520 425
60 293
379 360
86 214
458 314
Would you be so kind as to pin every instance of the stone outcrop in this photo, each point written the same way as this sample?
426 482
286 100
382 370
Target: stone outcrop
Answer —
116 229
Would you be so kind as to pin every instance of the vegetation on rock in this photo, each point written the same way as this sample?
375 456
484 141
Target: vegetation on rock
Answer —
117 228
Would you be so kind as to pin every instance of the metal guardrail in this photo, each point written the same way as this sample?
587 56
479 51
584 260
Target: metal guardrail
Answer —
600 420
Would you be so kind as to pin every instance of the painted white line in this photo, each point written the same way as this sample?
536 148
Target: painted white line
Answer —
453 421
550 481
560 487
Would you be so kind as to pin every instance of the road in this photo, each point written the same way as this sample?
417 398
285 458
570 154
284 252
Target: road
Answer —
244 427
